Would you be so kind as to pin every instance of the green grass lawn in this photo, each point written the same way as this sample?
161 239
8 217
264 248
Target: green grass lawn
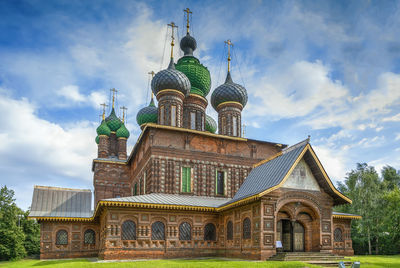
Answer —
366 261
378 261
156 264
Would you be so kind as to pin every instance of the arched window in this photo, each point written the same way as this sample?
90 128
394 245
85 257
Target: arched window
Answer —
229 231
337 235
89 237
246 228
209 232
128 230
185 231
158 231
62 237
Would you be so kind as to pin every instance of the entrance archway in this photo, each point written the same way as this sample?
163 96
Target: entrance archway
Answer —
298 227
291 234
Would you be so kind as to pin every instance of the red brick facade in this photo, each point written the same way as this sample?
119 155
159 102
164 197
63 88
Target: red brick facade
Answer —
155 166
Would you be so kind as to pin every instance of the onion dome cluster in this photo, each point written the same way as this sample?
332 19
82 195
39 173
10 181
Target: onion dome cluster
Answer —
229 92
197 73
211 125
148 114
112 124
170 78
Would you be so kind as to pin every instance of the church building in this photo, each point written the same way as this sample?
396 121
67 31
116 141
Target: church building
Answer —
192 186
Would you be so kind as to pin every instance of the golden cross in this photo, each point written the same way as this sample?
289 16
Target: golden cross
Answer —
187 10
114 91
104 109
173 25
152 75
230 44
123 108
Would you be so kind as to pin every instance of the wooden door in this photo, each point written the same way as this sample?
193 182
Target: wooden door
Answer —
298 236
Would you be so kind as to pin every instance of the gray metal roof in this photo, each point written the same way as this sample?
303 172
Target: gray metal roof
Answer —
269 174
61 202
173 199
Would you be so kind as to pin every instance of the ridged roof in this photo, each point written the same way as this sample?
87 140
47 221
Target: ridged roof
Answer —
269 174
61 202
172 199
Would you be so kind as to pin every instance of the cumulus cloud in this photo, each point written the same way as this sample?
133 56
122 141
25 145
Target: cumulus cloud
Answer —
34 150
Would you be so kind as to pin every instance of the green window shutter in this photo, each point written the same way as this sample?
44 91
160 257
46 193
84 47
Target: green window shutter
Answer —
135 188
189 182
186 183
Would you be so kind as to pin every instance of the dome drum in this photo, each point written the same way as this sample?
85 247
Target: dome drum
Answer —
194 111
229 122
170 110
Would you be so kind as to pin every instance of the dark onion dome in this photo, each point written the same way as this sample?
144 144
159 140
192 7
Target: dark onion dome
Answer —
113 122
198 74
229 92
188 45
148 114
170 78
97 139
211 125
122 132
103 129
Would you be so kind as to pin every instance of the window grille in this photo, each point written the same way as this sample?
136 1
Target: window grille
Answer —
158 231
246 228
128 230
337 235
89 237
185 231
62 237
209 232
229 231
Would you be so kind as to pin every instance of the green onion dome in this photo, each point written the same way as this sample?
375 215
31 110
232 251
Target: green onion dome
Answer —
148 114
113 122
103 129
211 125
122 132
97 139
170 78
229 91
198 74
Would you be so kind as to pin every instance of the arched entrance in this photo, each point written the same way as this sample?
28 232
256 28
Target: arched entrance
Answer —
291 234
298 227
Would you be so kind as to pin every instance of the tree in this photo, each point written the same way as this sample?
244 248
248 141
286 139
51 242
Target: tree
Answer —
12 237
391 177
32 234
362 185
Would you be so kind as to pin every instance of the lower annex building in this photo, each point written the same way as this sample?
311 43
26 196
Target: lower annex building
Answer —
185 191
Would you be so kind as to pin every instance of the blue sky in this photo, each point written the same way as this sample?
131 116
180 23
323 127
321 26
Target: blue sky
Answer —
329 69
